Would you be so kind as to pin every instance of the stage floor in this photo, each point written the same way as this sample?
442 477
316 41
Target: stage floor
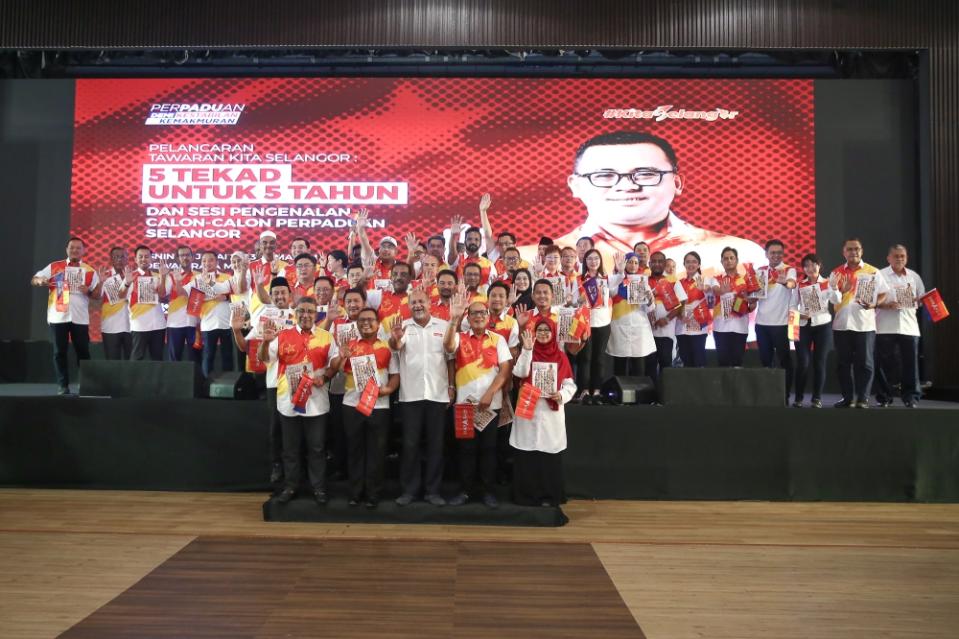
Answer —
121 563
45 390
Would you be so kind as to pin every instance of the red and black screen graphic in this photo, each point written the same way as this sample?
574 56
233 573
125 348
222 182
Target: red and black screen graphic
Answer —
416 151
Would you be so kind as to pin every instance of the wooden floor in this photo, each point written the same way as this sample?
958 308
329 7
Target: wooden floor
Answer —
92 563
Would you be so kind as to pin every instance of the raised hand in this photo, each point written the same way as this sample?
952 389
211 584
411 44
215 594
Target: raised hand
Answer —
362 216
411 243
458 305
269 331
456 225
105 273
344 347
527 338
333 312
513 295
237 317
128 274
320 259
163 271
538 265
485 201
619 260
396 329
522 315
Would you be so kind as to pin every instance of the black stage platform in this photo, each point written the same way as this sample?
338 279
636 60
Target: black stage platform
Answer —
638 452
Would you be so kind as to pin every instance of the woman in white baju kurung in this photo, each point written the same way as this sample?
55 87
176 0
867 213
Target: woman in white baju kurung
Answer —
538 443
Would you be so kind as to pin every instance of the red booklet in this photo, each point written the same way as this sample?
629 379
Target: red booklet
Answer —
368 399
526 402
194 304
302 393
464 419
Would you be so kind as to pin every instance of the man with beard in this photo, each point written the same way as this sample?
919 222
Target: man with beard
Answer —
472 241
446 283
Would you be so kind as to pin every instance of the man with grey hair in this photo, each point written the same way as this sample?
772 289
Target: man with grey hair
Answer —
897 331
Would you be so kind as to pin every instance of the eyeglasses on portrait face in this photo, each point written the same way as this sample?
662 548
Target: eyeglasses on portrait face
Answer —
640 177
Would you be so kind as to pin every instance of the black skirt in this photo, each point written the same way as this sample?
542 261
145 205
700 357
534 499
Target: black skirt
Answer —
538 478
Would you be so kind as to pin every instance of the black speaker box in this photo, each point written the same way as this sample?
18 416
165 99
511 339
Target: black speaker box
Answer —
233 385
141 380
748 387
628 390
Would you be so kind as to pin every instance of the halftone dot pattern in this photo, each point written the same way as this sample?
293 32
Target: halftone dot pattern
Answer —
453 139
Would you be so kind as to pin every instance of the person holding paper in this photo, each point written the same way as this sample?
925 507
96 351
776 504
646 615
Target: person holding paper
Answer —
255 279
692 325
575 336
812 297
731 314
854 325
483 364
215 313
425 394
71 284
145 289
630 335
277 316
114 307
772 311
668 295
302 354
897 330
180 325
372 374
540 441
341 322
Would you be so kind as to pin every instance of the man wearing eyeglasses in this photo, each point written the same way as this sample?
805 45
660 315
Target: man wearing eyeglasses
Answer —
628 180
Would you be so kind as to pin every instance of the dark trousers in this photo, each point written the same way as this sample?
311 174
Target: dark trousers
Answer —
275 428
224 337
773 342
854 351
627 366
663 358
295 431
179 339
483 447
62 335
692 350
366 450
591 361
117 345
423 422
897 360
815 342
148 342
336 437
730 348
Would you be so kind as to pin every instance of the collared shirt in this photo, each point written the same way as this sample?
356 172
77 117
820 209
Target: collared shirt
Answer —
850 316
214 314
301 353
735 317
902 289
487 268
600 313
422 362
115 317
262 271
75 305
376 353
658 313
283 317
177 317
506 326
478 359
145 316
686 323
774 309
826 297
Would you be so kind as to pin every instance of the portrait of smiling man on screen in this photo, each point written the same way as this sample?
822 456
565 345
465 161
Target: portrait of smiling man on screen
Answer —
628 181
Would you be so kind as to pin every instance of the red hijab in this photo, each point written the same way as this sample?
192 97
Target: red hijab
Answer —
551 353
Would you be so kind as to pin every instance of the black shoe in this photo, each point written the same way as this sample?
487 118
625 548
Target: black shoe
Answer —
354 502
797 403
435 500
320 497
490 500
63 390
596 399
286 496
459 500
861 404
910 403
276 474
816 403
404 500
883 402
371 504
842 403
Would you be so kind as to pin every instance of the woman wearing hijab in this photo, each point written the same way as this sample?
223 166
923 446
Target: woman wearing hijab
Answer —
538 443
630 333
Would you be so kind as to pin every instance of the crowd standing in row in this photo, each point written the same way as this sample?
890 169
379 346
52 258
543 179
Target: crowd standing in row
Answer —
481 338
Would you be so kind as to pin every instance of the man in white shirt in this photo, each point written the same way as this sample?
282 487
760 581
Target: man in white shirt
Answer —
180 325
71 284
897 330
114 307
854 323
772 312
215 313
425 393
145 289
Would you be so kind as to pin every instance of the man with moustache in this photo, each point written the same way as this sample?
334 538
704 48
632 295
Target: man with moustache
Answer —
424 395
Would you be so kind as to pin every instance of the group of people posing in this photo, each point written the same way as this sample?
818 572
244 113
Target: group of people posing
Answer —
464 329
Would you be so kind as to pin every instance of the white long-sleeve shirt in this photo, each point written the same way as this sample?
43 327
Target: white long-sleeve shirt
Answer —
546 432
